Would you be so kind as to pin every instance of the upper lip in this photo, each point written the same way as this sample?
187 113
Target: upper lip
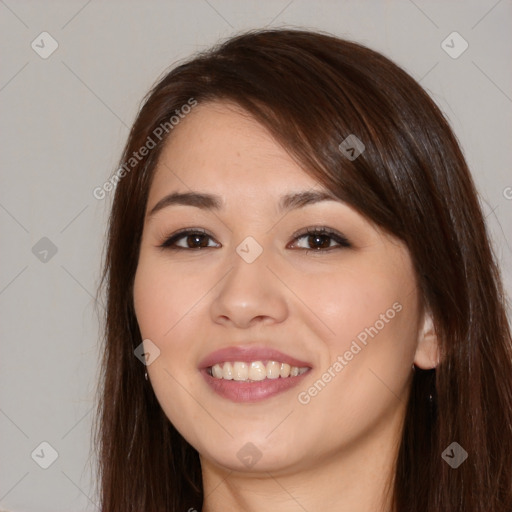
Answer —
248 354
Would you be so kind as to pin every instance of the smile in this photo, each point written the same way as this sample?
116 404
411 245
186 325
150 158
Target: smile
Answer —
249 373
254 371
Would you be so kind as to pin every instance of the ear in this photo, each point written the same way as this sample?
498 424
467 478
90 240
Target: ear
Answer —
427 350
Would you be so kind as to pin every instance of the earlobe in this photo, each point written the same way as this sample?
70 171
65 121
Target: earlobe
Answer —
427 350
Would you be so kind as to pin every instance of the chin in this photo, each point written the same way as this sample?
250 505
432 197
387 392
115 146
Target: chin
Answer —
249 458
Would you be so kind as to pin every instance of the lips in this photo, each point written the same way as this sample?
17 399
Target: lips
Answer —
247 390
249 354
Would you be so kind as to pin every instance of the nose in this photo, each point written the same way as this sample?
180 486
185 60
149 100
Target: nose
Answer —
249 294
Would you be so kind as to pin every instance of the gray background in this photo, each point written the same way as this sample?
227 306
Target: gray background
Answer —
64 120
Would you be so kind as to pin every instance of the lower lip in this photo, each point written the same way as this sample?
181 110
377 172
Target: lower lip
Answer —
240 391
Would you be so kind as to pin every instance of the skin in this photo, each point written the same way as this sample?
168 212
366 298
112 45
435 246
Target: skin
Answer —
336 452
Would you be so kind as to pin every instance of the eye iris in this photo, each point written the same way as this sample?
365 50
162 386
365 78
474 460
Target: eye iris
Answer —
197 238
315 238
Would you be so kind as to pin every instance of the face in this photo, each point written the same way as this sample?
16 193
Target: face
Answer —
336 309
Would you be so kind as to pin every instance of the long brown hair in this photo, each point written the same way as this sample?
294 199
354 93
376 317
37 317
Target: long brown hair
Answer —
312 90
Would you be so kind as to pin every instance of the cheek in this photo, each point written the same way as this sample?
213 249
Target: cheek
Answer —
169 305
369 318
368 356
161 299
350 301
165 315
150 302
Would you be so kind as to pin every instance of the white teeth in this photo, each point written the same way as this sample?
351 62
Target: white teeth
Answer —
217 371
227 371
240 371
255 370
273 370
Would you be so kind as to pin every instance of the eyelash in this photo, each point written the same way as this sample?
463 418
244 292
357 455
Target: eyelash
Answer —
168 244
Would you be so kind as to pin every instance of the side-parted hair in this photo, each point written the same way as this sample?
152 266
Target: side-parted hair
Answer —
312 90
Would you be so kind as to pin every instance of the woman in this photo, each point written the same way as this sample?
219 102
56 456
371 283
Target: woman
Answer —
304 312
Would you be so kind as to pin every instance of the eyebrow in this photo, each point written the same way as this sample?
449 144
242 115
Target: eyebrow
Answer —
214 202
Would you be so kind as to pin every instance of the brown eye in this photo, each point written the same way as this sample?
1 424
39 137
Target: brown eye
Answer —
194 239
321 239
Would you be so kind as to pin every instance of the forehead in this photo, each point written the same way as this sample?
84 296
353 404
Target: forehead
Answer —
219 146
